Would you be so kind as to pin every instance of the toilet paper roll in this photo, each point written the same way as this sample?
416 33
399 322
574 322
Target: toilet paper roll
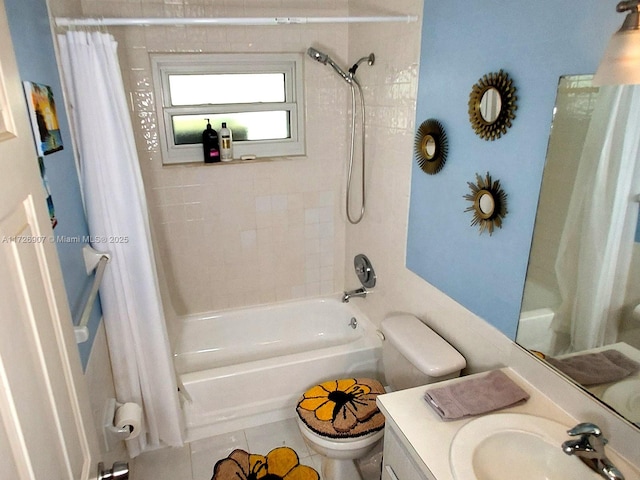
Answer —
129 416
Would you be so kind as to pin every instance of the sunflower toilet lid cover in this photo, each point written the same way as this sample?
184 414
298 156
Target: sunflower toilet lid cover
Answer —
342 408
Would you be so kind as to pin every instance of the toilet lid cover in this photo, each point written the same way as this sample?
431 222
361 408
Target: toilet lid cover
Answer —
342 408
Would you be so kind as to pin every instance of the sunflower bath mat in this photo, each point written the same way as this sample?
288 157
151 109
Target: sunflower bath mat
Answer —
281 463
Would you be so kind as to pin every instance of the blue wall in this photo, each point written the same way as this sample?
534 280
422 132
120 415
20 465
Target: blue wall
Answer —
535 43
33 45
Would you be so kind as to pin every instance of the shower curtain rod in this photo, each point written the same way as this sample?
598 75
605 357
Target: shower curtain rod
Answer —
248 21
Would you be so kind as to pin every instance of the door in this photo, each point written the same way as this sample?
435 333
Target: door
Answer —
45 418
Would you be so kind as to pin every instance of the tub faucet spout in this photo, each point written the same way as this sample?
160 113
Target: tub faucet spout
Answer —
359 292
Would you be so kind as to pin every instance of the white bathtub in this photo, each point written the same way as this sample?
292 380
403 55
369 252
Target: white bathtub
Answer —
246 367
536 317
534 330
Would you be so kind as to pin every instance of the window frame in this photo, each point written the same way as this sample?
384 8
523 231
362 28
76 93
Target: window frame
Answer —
289 64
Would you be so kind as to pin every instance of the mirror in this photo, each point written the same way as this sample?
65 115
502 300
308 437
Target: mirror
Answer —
488 203
431 146
492 105
581 299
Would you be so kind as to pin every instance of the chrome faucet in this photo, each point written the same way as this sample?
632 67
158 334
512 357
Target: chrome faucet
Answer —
589 447
359 292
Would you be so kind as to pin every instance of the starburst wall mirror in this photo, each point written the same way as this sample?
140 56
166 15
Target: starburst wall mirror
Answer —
431 146
488 203
492 105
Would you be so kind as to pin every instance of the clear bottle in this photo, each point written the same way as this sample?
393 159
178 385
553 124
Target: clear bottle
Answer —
226 143
210 145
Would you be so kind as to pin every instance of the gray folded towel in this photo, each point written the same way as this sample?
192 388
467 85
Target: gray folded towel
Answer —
475 396
594 368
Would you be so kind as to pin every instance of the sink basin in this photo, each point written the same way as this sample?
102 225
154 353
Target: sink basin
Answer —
624 396
504 446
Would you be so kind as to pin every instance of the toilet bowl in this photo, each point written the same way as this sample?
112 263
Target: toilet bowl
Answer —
339 454
339 419
413 355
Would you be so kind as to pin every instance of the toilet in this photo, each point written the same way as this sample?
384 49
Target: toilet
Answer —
339 418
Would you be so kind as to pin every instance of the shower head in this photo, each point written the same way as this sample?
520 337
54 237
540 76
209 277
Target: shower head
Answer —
326 59
317 56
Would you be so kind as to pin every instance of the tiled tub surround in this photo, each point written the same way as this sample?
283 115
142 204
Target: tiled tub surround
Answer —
265 231
255 232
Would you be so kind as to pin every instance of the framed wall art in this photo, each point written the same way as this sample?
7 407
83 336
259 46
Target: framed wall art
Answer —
44 119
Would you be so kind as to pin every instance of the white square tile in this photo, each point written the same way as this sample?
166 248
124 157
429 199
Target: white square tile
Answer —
325 199
327 288
312 231
312 289
248 239
311 215
279 203
298 291
263 203
265 438
325 214
164 464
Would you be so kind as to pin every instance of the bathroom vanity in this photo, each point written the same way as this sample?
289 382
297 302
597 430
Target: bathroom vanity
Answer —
400 460
418 444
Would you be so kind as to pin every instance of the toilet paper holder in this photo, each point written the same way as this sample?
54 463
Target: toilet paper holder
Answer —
112 434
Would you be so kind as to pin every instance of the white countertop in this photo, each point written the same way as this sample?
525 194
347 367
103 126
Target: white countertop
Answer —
430 437
623 405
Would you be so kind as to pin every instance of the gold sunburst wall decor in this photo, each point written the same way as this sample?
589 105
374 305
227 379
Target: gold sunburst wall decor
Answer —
431 146
489 203
492 105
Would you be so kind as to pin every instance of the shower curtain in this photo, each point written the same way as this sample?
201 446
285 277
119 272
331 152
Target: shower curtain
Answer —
596 244
118 223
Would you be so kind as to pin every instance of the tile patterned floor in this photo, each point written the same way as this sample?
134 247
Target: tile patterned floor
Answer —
196 460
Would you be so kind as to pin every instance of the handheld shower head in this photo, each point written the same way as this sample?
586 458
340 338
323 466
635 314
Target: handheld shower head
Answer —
317 56
355 87
326 59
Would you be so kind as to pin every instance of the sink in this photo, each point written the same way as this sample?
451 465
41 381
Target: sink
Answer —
504 446
624 396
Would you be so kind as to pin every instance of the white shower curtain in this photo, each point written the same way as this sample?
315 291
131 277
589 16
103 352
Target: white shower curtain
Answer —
118 222
596 244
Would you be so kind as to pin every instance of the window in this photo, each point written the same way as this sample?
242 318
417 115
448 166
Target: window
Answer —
259 96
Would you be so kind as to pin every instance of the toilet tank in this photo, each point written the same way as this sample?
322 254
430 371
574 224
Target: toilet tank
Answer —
413 354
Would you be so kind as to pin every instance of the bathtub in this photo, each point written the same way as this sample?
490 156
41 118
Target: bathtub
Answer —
534 330
536 318
246 367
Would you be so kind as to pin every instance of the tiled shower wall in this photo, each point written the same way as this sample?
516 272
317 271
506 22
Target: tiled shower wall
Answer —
391 101
233 235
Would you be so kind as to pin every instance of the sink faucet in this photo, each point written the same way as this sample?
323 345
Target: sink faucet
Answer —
359 292
589 447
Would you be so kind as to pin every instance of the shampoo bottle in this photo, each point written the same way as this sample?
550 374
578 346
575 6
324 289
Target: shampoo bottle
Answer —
210 144
226 143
